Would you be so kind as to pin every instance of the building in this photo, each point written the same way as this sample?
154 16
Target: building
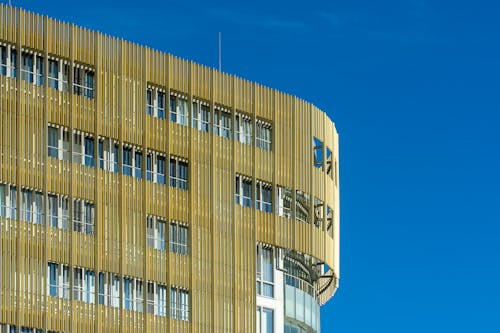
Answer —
140 192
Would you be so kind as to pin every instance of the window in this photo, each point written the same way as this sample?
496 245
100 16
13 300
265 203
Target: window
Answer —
201 116
8 60
263 135
318 153
27 66
108 151
329 221
8 201
155 167
32 206
83 148
58 143
109 289
329 163
6 328
178 109
127 161
155 102
83 81
178 173
132 294
302 206
58 211
179 304
265 271
284 201
178 238
155 233
222 122
83 285
83 216
156 302
58 280
243 191
265 320
263 197
318 212
243 129
58 74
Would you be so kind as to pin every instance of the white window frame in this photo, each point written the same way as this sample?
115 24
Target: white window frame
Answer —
110 153
261 282
80 153
220 128
8 204
110 295
153 108
260 203
86 224
241 198
61 79
63 143
177 243
260 140
243 129
154 174
281 208
179 303
154 238
261 325
156 296
200 110
175 178
62 283
84 289
136 295
179 110
86 86
9 67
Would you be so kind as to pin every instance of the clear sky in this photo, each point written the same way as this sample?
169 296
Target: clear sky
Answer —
413 87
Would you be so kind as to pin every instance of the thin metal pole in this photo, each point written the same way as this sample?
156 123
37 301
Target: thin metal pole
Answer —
220 51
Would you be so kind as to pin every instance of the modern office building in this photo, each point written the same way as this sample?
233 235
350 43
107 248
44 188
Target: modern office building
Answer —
140 192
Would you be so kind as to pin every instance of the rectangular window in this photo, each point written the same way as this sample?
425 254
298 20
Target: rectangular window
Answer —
58 143
83 285
318 212
265 271
58 73
53 74
155 167
39 70
178 109
138 165
178 238
89 151
8 201
3 60
329 221
263 135
243 129
53 142
83 81
58 211
83 216
132 294
8 60
155 233
222 122
26 205
155 102
127 161
27 66
156 299
201 116
265 320
178 173
109 289
243 191
329 163
179 304
318 153
263 197
302 206
58 280
284 201
78 148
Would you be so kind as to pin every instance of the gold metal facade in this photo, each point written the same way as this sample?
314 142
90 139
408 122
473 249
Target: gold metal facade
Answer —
219 271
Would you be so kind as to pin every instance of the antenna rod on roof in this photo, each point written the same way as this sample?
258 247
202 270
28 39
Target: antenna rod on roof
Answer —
220 51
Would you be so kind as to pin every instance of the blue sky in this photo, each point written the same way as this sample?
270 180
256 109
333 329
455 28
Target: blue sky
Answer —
413 87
